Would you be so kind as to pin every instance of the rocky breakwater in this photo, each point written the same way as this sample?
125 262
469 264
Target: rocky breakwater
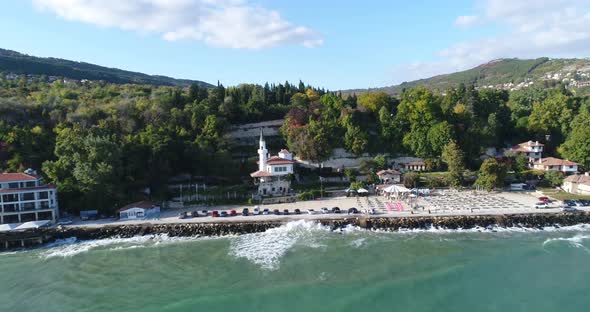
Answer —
469 222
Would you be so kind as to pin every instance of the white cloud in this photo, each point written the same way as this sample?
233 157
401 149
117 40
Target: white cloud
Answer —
221 23
466 20
530 29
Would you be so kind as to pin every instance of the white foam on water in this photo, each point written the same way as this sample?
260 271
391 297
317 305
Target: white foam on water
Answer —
358 243
267 248
71 246
575 241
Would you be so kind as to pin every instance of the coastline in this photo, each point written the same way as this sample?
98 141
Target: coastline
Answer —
374 223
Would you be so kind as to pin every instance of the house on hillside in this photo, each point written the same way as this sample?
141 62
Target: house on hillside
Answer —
139 210
272 175
577 184
556 164
532 150
389 176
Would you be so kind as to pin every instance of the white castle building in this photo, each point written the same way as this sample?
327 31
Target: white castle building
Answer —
271 176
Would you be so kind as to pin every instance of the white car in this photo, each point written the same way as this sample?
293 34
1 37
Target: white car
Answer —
311 211
256 211
569 209
541 205
325 210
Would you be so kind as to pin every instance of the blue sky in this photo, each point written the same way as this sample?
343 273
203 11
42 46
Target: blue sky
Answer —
332 44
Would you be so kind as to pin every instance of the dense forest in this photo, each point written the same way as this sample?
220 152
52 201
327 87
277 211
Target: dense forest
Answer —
105 144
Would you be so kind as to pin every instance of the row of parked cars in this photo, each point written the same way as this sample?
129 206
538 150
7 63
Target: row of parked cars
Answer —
569 205
258 211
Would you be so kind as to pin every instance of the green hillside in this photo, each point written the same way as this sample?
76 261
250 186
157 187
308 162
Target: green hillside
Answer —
18 63
499 72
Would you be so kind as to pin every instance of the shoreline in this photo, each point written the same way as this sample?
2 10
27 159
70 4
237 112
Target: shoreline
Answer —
373 223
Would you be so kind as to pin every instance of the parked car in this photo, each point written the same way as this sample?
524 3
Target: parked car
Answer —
569 209
223 214
541 205
189 214
372 211
335 210
569 203
182 215
353 210
215 214
245 212
64 222
276 212
585 203
286 212
204 213
256 211
311 211
233 213
544 199
297 211
325 210
265 211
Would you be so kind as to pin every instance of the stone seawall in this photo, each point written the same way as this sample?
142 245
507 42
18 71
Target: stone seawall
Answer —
236 228
374 223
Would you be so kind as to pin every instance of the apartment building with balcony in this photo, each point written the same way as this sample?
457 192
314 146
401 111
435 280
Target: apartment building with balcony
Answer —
25 197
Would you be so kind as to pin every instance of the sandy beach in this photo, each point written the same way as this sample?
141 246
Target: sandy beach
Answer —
449 204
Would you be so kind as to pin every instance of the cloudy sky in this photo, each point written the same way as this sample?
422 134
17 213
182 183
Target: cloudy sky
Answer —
329 43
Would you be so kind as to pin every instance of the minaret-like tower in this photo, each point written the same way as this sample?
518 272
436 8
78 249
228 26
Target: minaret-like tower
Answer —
262 153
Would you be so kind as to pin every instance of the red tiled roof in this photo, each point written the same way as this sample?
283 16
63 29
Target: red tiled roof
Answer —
144 204
389 171
276 160
552 161
261 174
13 177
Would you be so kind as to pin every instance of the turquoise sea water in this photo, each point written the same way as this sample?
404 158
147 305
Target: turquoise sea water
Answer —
305 267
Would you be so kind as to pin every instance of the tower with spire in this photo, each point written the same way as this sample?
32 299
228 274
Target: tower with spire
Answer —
262 152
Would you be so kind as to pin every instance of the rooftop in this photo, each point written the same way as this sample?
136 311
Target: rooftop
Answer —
388 171
552 161
261 174
145 204
578 178
14 177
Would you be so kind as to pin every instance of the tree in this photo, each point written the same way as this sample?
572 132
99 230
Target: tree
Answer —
453 157
554 178
521 163
374 101
411 179
491 174
577 145
356 140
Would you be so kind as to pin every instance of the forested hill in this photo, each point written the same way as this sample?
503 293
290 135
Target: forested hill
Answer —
508 74
18 63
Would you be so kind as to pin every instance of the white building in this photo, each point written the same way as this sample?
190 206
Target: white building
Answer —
416 166
577 184
556 164
271 176
139 210
532 150
26 198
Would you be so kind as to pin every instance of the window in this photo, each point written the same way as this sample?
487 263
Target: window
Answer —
43 195
13 185
10 198
28 206
44 205
30 184
27 196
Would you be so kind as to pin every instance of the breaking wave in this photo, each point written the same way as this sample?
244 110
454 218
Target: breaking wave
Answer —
267 248
71 246
575 241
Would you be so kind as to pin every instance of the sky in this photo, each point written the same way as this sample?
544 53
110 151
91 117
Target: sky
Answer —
331 44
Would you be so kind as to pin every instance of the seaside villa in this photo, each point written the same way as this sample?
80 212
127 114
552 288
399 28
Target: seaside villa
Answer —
26 198
577 184
556 164
272 175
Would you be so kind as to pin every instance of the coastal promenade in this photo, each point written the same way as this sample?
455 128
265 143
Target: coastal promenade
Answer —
450 204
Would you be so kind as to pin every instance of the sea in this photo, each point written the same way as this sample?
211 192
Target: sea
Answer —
304 266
